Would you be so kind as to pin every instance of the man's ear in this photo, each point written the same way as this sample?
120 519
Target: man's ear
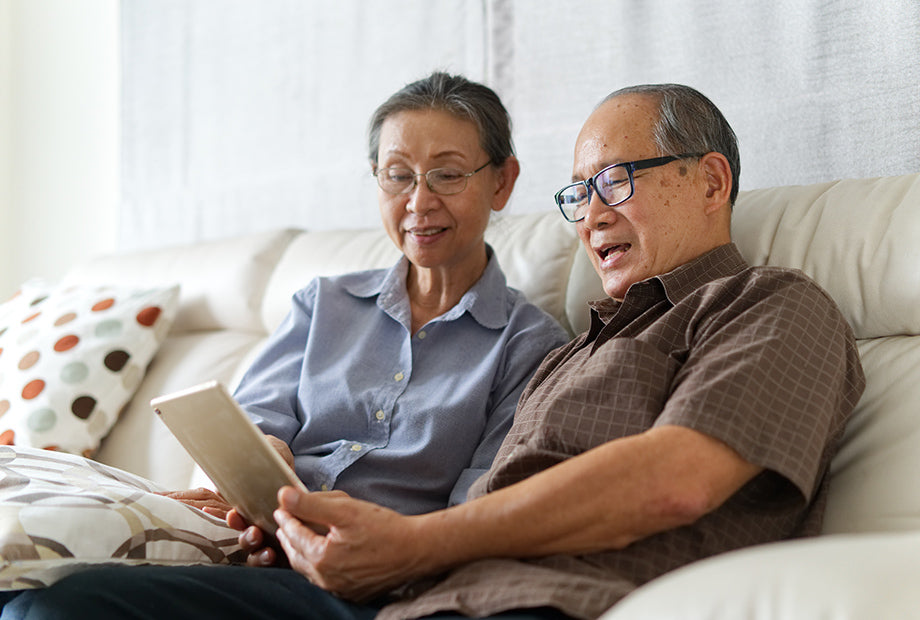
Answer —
717 175
507 175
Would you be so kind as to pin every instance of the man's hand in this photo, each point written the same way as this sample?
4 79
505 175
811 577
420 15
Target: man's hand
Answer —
367 550
203 499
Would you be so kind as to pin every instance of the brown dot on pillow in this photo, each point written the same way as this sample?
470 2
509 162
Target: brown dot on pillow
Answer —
116 360
83 406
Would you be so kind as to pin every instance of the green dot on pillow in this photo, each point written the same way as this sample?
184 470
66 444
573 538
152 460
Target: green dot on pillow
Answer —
108 329
42 420
75 372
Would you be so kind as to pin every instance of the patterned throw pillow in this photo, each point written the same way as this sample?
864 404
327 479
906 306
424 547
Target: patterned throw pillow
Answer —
71 358
61 513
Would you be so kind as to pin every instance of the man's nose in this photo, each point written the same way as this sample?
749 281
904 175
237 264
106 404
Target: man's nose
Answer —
597 214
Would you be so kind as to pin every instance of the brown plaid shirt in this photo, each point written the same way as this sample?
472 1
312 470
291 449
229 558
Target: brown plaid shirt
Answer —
758 357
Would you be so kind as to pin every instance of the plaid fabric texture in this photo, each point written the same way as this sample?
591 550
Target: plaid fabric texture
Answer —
758 357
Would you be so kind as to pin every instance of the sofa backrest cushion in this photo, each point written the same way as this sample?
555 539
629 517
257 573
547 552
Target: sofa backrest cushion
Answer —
534 250
858 238
222 282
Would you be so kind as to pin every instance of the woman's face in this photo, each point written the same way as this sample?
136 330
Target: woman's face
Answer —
435 231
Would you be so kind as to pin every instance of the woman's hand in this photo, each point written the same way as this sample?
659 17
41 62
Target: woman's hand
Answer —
202 499
283 449
260 549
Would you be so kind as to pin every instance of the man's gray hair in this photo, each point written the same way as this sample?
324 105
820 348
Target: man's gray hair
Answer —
456 95
688 122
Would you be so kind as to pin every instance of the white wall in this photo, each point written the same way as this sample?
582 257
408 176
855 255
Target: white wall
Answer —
6 254
60 179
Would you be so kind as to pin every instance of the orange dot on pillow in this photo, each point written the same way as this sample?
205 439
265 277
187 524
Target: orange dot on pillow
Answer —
7 438
66 343
105 304
4 406
32 389
148 316
31 317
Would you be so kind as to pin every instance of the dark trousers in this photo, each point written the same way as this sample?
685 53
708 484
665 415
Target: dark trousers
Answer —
196 593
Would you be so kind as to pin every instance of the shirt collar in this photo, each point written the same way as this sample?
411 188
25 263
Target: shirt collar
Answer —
486 301
680 282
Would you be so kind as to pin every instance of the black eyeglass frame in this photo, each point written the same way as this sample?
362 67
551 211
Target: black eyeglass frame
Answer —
466 176
630 167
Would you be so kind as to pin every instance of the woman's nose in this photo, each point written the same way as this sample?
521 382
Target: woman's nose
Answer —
421 198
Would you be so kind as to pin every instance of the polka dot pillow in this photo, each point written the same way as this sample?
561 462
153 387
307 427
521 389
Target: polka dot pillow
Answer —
71 358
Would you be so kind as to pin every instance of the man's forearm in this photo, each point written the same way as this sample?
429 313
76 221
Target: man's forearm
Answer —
603 499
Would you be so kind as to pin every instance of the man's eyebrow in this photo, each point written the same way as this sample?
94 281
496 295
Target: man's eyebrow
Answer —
606 164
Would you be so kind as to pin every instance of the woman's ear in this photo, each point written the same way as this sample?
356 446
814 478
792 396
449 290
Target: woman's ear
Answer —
717 175
507 175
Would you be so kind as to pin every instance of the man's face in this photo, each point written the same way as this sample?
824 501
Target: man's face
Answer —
663 225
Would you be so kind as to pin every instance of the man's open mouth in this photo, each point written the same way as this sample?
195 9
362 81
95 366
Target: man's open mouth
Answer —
608 251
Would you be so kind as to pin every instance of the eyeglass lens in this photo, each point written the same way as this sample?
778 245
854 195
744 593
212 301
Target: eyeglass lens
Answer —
612 185
444 181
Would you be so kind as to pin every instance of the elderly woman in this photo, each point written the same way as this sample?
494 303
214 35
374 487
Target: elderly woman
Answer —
396 386
399 385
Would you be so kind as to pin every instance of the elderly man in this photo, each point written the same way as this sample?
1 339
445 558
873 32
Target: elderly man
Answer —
698 414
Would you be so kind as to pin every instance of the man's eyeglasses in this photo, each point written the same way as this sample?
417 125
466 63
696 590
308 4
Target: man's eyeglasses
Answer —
614 185
444 181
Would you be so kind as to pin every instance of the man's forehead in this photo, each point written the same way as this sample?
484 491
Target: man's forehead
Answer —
621 129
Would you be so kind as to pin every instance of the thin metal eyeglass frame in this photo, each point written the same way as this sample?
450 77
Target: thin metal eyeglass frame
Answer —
630 167
466 176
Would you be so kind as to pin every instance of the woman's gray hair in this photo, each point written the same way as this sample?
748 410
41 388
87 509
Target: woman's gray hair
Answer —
688 122
456 95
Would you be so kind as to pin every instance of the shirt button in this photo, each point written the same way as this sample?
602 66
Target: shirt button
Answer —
399 376
422 335
324 487
356 447
380 414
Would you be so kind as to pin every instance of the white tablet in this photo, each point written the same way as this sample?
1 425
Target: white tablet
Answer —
230 449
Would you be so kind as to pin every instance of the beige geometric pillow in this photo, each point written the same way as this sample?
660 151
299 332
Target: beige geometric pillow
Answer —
61 513
71 358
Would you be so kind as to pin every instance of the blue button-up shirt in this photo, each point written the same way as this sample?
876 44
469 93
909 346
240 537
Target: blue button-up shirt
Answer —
404 420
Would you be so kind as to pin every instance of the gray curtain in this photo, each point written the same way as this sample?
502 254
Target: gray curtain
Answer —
246 115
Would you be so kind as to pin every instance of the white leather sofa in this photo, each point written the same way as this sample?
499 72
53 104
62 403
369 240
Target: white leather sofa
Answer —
860 239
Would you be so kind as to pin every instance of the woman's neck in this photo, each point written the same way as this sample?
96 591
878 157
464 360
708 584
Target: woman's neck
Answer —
432 292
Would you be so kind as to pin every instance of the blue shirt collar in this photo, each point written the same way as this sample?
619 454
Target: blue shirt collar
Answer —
486 301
